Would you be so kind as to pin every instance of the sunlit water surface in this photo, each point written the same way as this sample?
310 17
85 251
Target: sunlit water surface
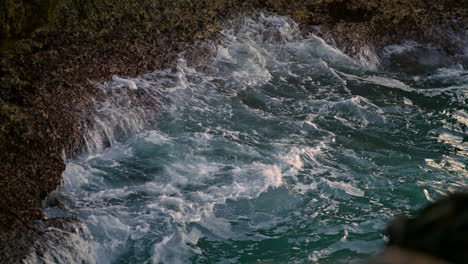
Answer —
284 151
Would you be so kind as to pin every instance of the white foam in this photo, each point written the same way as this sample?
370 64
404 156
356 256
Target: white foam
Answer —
273 176
346 187
210 156
309 126
399 49
129 83
250 60
368 57
60 246
75 175
380 80
176 248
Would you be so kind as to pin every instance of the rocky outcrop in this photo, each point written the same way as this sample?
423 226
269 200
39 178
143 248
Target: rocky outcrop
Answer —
20 18
436 234
52 50
49 239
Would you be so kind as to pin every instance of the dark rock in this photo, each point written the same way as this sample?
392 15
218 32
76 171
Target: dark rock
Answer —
439 230
437 234
49 239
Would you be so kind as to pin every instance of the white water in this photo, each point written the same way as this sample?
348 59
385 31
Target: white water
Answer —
268 144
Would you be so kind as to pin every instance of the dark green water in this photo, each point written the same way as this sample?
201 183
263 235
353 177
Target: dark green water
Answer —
286 151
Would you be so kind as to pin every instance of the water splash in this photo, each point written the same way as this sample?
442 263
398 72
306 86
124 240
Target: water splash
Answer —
71 244
284 150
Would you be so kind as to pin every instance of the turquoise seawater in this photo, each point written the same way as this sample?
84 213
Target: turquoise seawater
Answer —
282 150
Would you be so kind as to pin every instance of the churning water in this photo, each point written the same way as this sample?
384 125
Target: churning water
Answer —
283 151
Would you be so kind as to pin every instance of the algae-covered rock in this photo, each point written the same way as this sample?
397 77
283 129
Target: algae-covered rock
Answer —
18 19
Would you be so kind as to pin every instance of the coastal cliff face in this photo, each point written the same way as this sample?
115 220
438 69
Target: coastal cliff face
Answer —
53 50
20 18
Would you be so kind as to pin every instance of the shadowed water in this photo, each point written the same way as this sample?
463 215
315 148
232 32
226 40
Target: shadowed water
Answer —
284 151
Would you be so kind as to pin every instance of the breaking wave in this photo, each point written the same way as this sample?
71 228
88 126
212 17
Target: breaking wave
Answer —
284 150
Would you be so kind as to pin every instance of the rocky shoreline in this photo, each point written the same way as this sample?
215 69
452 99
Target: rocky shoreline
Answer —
49 64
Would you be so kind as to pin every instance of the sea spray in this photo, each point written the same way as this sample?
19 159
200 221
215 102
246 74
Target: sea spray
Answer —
284 150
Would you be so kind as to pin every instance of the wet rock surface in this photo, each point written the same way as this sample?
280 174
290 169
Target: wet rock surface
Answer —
50 239
49 64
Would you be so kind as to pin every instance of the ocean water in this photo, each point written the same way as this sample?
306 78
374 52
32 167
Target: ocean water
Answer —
282 150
